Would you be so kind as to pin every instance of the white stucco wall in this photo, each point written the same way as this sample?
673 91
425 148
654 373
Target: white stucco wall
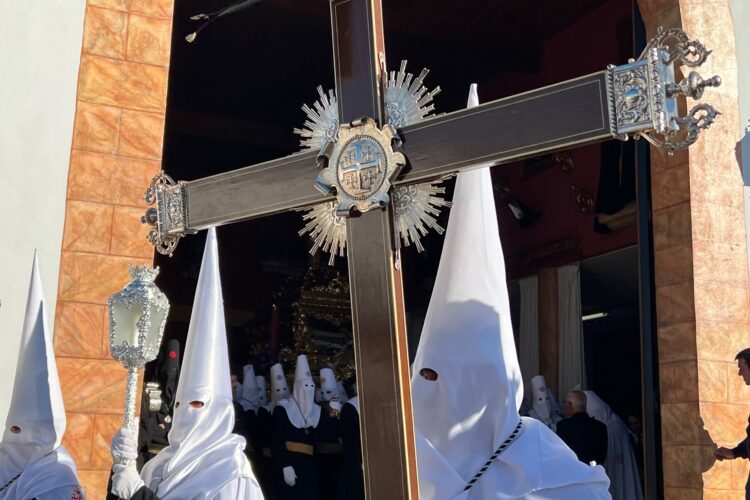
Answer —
741 17
40 48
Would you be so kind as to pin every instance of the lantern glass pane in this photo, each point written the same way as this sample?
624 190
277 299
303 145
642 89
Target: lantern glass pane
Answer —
126 320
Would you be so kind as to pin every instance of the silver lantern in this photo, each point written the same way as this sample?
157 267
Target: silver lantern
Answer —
137 315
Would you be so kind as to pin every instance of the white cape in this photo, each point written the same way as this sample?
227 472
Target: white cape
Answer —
204 460
462 417
42 468
620 464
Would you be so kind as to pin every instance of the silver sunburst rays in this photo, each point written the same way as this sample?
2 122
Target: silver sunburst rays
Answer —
417 206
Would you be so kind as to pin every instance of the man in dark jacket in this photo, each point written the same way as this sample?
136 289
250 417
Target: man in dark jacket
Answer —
742 450
586 436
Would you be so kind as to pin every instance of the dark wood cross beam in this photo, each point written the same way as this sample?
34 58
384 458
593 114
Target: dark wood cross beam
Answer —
631 99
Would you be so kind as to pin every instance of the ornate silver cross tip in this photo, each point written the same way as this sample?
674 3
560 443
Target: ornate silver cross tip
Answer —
169 217
643 93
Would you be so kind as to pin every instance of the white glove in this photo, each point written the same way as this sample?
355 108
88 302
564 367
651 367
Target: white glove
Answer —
290 477
124 446
335 405
125 481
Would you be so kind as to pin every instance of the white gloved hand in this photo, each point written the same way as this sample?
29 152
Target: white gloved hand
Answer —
335 405
124 446
125 481
290 477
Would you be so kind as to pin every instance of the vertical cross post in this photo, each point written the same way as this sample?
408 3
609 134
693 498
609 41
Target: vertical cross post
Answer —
381 352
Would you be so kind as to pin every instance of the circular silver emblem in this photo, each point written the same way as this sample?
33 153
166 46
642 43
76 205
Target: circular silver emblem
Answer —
361 168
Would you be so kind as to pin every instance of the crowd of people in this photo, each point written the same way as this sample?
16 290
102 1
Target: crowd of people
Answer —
241 436
594 432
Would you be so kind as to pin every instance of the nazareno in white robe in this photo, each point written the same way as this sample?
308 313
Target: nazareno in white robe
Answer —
464 416
204 460
33 463
621 466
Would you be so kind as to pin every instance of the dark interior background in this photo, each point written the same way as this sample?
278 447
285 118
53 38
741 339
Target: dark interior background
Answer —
235 96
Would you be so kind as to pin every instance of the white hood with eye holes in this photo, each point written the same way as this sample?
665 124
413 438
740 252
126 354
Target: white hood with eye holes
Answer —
301 408
203 455
472 408
279 386
36 410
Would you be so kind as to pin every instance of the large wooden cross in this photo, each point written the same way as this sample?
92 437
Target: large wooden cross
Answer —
638 98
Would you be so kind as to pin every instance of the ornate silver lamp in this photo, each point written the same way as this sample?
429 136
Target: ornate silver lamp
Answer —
137 315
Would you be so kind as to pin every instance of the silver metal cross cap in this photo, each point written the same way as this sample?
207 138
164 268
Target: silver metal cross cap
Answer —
644 93
358 167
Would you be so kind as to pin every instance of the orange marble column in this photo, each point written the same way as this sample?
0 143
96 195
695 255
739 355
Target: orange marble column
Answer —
702 301
116 150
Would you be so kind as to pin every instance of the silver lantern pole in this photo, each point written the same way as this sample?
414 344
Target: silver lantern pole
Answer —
137 315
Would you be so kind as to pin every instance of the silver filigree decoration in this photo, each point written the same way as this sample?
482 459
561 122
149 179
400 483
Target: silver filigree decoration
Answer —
327 230
407 101
322 122
643 93
151 305
417 207
359 167
169 219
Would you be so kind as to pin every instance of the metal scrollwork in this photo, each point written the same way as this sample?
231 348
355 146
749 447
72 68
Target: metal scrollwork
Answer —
359 167
169 218
407 101
643 93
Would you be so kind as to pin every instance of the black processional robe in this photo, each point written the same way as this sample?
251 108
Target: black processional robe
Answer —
351 480
306 486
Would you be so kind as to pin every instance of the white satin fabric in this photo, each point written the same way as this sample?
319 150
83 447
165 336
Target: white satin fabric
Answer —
544 407
343 397
250 393
462 417
620 463
279 386
328 387
36 407
301 408
204 460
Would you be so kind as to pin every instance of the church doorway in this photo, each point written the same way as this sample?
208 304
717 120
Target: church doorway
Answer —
233 102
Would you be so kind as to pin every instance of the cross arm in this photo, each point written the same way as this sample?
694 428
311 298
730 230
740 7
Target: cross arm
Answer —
560 116
267 188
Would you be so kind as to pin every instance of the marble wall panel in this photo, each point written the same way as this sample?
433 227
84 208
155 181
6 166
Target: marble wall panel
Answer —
713 382
129 234
78 330
88 227
92 278
109 179
153 8
725 422
670 188
105 32
678 381
96 127
677 342
673 264
124 84
141 135
92 386
149 40
680 423
94 483
122 5
79 432
105 427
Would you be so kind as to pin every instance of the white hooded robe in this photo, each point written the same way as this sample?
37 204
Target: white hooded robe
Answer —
464 416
